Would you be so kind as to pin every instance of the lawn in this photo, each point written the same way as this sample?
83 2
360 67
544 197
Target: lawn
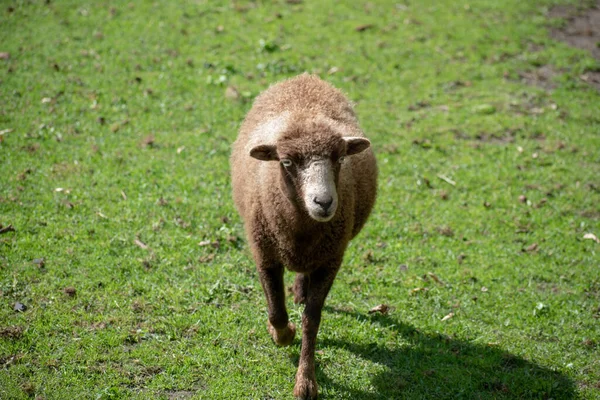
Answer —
124 271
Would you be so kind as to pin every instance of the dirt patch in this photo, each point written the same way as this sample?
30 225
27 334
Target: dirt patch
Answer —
11 332
582 30
180 395
541 77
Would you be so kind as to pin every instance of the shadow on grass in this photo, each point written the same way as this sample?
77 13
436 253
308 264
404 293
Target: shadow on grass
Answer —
433 366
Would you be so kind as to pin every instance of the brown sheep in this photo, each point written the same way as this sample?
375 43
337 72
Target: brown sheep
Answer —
304 183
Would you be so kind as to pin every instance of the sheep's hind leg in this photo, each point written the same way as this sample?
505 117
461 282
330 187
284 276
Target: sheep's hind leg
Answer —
300 288
282 331
319 283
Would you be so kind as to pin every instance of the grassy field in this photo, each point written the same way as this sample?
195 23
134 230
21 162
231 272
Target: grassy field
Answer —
128 262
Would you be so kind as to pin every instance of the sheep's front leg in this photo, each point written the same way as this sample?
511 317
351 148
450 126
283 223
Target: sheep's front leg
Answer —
271 279
319 283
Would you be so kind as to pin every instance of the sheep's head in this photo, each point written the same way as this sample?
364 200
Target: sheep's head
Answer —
310 166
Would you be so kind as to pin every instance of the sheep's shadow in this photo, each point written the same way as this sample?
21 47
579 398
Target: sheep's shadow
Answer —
440 367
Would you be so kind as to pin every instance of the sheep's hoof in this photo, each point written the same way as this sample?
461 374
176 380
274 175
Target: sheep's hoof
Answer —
306 388
283 337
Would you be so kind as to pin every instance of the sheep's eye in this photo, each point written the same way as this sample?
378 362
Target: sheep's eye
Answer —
286 162
341 159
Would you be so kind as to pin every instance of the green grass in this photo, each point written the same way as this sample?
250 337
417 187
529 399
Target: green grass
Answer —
120 130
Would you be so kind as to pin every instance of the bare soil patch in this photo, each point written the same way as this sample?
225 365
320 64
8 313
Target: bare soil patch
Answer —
582 30
541 77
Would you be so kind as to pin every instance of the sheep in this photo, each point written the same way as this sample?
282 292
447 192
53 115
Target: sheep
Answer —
304 182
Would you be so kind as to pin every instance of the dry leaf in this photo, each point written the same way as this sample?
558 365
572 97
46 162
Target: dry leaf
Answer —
417 290
592 237
101 215
141 244
70 291
532 247
446 179
214 244
362 28
4 55
447 317
382 308
149 141
231 93
435 278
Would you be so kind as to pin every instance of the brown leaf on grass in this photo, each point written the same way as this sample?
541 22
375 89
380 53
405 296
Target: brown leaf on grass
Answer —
435 278
591 236
206 258
532 247
364 27
70 291
233 239
231 93
369 256
149 141
4 55
7 229
541 203
522 199
141 244
118 125
418 290
445 231
382 308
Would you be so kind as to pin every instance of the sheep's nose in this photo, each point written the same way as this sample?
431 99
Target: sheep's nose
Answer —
324 202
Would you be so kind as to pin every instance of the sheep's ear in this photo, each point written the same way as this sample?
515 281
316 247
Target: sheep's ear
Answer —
355 145
264 152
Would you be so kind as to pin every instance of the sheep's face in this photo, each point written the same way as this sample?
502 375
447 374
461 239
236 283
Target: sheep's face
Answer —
310 169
